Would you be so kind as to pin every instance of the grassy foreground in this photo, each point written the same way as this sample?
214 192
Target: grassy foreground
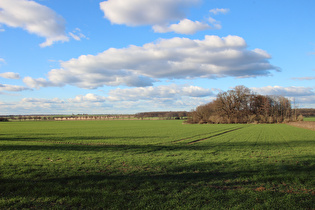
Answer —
155 165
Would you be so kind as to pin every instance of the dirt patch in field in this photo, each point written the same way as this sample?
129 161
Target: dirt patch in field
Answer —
305 124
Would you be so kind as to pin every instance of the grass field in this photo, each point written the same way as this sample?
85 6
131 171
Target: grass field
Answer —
155 165
309 118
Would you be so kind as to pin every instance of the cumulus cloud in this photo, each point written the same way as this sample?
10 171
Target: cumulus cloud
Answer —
36 106
12 88
90 97
157 13
176 58
40 82
132 100
160 98
164 91
285 91
185 26
301 96
145 12
34 18
10 75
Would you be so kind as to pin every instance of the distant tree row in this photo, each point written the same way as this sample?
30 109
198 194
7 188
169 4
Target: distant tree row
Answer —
241 105
63 117
27 117
4 119
162 115
95 117
306 112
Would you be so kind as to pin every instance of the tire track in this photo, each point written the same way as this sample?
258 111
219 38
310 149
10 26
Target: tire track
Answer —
191 137
219 134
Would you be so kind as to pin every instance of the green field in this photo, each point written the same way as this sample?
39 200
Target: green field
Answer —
309 118
155 165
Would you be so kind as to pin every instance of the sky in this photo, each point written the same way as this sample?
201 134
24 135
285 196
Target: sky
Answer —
130 56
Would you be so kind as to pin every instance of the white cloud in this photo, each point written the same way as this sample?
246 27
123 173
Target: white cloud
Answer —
185 26
160 14
176 58
37 83
285 91
90 97
34 18
50 106
218 11
42 100
77 35
306 102
12 88
1 61
169 92
303 78
145 12
161 98
302 97
215 24
10 75
36 106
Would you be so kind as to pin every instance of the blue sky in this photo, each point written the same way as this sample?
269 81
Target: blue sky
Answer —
128 56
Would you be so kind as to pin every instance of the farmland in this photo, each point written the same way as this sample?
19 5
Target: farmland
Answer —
157 164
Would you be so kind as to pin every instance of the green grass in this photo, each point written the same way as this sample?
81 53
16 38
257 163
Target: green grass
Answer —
155 165
309 118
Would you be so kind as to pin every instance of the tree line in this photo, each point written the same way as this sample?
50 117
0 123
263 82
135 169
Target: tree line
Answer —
306 112
241 105
168 115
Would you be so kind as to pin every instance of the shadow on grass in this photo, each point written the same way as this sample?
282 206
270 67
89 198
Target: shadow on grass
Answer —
53 138
36 144
172 189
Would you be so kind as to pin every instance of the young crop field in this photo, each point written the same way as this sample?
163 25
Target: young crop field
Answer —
309 119
157 164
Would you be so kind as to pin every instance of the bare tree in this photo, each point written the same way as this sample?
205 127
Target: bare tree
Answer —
240 105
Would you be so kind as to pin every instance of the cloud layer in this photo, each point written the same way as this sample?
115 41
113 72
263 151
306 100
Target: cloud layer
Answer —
12 88
34 18
145 12
166 92
163 15
176 58
300 96
185 26
10 75
160 98
303 78
285 91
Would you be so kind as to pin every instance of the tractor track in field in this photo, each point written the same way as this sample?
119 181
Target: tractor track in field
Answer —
180 140
222 132
219 134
